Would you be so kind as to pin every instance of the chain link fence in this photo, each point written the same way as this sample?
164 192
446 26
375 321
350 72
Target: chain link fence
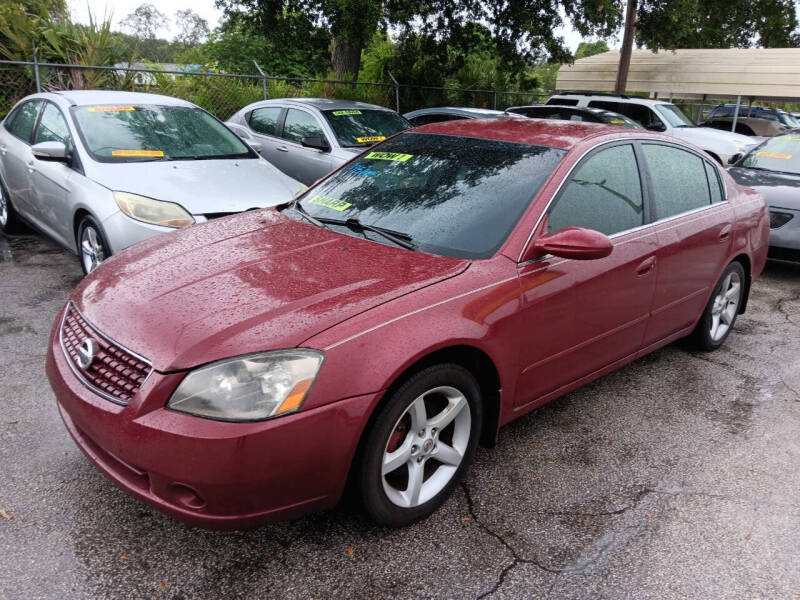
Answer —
222 94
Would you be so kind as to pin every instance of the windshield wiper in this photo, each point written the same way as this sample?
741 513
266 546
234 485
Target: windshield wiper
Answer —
397 237
303 213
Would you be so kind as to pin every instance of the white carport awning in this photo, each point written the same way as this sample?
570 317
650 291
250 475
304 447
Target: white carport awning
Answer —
752 73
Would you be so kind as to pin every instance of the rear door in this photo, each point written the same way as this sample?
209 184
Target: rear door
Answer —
304 164
694 223
15 152
51 180
263 124
644 115
579 316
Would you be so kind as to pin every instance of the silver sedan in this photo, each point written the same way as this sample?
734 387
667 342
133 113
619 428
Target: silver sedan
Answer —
98 171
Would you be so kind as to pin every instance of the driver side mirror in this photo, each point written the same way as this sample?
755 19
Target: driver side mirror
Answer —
735 159
577 243
316 142
52 151
657 126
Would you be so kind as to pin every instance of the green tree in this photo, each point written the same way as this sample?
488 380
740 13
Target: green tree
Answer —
586 49
145 22
192 28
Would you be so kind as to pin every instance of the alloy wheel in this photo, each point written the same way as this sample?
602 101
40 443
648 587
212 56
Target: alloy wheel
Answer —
3 207
426 446
725 306
92 253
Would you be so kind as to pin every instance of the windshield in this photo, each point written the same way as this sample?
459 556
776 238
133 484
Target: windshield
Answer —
789 120
149 132
447 194
674 115
357 128
781 153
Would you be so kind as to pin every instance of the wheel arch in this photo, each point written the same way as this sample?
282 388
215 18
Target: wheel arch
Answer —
744 260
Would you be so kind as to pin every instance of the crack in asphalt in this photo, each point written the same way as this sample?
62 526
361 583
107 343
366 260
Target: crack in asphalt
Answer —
520 560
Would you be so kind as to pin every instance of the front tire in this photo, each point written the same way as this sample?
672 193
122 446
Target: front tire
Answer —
420 445
92 245
720 314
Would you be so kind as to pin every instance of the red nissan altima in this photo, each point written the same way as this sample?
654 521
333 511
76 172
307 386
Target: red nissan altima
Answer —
439 285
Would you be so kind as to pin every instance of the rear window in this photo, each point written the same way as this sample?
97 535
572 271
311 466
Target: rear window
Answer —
126 133
265 120
450 195
358 127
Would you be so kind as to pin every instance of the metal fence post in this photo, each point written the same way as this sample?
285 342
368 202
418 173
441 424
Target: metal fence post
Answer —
494 100
396 92
736 113
36 71
263 79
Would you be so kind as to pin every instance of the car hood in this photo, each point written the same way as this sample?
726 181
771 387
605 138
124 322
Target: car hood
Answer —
201 186
778 189
243 284
725 142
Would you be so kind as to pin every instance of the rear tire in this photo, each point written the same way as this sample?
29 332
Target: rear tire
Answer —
420 445
9 220
720 314
92 245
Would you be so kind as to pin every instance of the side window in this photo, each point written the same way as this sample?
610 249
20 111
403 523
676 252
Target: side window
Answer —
605 105
680 183
604 194
265 120
52 127
23 120
562 101
643 115
300 124
714 184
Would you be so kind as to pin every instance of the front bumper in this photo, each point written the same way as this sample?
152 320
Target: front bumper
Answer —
784 241
121 231
208 473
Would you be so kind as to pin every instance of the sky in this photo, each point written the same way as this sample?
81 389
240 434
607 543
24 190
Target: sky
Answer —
119 9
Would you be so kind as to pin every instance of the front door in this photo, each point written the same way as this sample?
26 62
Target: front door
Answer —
304 164
580 316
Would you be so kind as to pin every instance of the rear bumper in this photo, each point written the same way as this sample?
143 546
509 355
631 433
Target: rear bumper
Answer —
207 473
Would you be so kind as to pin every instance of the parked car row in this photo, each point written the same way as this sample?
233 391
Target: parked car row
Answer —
751 120
376 326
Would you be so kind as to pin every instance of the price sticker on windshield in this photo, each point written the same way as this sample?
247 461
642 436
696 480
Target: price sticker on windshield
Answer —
775 155
393 156
105 109
792 138
371 138
139 153
332 203
345 113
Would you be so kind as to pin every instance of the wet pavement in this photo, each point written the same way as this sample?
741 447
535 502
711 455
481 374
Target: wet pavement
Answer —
674 477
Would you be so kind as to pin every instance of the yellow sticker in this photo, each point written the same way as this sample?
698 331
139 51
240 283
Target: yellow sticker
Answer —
344 113
332 203
774 155
371 138
617 122
102 109
155 153
393 156
794 138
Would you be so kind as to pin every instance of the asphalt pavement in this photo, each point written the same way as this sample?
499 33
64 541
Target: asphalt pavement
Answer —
674 477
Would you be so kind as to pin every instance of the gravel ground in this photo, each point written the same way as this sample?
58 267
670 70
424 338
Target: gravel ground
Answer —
675 477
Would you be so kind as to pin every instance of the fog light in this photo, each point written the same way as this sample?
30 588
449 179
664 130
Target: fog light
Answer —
186 496
778 219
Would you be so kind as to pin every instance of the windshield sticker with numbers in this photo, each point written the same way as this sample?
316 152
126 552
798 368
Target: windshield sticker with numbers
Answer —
393 156
344 113
775 155
371 138
105 109
148 153
332 203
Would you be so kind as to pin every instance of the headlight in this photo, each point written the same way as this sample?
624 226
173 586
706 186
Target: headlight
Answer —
249 388
148 210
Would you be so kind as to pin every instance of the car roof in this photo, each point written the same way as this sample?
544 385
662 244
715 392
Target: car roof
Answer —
324 103
454 110
590 109
91 97
609 97
540 132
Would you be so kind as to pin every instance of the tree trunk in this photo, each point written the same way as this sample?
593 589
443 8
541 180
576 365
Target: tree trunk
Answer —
345 60
627 47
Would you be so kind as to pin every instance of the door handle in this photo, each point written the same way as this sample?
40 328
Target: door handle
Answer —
725 232
3 150
31 167
282 148
646 266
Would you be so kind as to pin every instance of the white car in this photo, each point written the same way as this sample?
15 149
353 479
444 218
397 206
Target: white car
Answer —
98 171
665 117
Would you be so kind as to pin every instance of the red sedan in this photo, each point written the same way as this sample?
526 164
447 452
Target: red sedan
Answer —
439 285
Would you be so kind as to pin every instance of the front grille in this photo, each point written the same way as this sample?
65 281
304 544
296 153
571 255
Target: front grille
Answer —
114 373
